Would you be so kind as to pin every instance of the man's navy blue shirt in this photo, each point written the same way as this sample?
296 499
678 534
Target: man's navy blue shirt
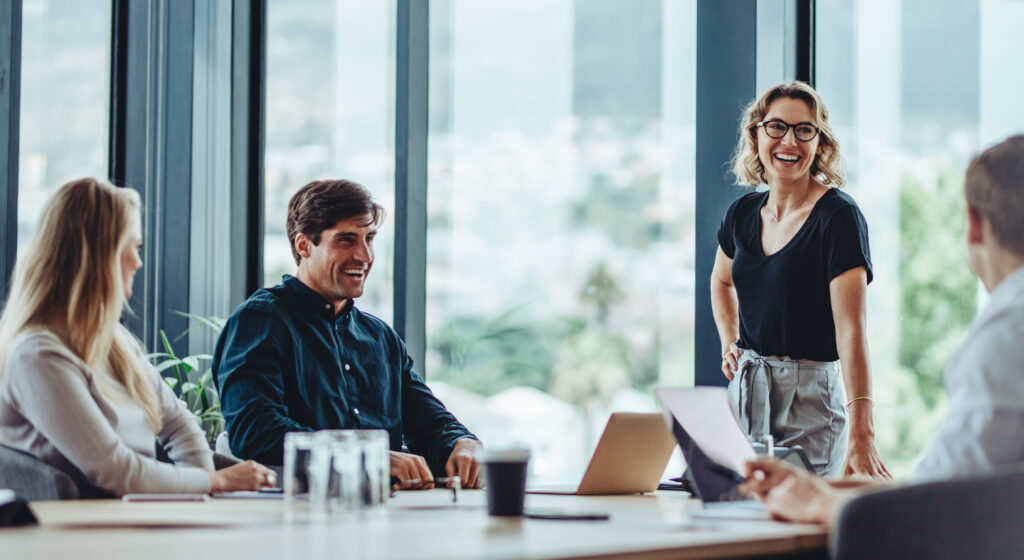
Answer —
285 363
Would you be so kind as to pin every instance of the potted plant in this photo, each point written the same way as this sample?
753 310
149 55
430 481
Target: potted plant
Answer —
191 381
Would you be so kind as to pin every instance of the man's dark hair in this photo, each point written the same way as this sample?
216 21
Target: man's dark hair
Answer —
322 204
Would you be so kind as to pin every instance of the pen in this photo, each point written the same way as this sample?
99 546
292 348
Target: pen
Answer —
454 483
451 481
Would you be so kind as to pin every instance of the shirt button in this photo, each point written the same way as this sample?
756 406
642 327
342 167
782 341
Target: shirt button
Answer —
328 306
347 367
355 410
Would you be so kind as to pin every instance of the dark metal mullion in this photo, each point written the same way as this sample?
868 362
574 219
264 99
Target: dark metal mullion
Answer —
726 82
151 151
118 90
10 119
128 137
805 29
248 78
411 114
175 147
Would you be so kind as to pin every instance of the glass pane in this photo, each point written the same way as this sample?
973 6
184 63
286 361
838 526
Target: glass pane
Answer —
330 114
560 216
65 100
908 127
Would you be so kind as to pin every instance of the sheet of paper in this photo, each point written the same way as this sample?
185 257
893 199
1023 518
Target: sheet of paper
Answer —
705 413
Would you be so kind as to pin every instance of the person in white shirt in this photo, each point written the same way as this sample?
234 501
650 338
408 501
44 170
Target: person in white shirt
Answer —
984 378
76 389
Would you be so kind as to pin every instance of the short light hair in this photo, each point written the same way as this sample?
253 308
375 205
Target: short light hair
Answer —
994 186
746 164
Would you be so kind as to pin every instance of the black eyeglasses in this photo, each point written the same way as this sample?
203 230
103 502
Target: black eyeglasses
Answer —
804 132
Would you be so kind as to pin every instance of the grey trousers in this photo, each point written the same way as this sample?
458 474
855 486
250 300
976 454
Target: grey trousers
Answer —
798 402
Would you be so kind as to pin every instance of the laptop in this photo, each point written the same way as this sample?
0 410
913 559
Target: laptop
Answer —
714 447
630 457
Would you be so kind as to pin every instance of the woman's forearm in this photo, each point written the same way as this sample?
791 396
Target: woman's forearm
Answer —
725 308
853 356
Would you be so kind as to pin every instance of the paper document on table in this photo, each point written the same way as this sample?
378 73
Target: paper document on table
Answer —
705 413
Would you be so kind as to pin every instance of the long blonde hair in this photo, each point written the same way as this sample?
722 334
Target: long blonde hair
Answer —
69 280
747 167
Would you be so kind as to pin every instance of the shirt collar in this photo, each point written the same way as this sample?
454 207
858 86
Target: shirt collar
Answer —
314 302
1010 289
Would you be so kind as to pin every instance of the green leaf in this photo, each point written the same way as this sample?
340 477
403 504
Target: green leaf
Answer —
214 323
164 365
167 344
191 362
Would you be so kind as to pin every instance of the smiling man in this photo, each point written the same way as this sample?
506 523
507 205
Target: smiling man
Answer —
300 356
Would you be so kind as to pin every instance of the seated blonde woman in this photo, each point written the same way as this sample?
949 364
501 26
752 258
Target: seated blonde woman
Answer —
76 389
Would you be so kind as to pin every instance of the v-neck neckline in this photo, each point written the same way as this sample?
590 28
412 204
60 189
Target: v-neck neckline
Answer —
800 230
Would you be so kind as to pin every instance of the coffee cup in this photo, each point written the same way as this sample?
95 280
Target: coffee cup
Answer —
505 477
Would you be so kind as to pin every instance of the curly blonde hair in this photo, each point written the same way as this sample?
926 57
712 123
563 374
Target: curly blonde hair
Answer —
746 164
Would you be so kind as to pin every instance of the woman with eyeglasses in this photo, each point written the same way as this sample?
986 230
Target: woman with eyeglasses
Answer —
788 288
76 389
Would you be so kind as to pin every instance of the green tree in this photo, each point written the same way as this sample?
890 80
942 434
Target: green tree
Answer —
937 288
602 290
488 355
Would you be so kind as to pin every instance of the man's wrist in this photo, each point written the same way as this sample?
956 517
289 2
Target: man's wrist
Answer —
466 440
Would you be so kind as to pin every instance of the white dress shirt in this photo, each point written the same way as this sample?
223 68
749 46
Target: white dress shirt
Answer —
984 426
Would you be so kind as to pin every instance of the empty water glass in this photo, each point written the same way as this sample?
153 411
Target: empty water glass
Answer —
299 471
348 470
375 467
343 456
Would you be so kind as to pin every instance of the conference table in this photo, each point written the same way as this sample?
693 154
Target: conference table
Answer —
413 524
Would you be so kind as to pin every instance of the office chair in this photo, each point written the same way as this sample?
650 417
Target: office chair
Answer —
32 479
975 517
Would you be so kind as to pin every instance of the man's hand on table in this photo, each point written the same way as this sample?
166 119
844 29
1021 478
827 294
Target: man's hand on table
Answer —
464 462
406 466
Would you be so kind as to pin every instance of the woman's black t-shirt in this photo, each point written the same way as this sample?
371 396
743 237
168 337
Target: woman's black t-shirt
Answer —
784 303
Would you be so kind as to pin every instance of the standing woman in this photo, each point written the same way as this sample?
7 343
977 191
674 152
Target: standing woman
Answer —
76 389
788 288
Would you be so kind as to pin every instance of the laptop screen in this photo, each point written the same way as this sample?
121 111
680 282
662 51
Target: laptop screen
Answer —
711 481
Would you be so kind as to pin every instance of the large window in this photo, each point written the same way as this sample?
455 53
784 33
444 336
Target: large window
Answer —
65 100
560 215
916 88
330 114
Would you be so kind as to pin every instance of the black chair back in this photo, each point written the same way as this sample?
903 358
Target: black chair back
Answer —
32 479
977 518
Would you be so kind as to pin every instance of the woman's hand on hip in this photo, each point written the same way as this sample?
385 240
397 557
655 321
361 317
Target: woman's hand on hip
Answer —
731 360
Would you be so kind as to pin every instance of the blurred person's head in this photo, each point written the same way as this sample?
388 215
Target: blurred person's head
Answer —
331 227
760 156
994 189
75 276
